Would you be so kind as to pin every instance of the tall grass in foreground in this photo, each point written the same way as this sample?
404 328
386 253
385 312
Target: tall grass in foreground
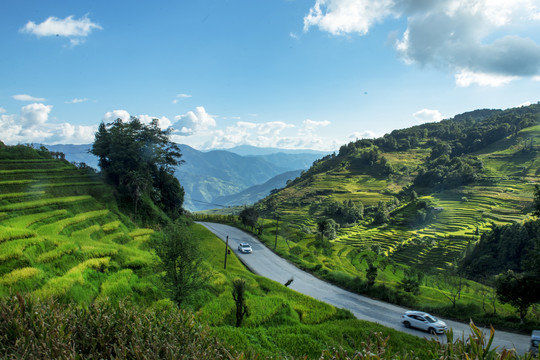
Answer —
48 330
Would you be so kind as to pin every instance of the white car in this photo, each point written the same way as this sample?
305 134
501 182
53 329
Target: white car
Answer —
245 248
423 321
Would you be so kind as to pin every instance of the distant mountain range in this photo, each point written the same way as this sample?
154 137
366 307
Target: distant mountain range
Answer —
237 176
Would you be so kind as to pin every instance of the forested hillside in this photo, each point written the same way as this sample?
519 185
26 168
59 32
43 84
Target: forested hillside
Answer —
424 193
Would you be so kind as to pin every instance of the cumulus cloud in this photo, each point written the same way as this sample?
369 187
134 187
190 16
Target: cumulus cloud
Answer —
74 29
31 126
163 122
427 115
483 39
366 134
276 134
347 16
26 97
466 78
111 116
34 114
194 121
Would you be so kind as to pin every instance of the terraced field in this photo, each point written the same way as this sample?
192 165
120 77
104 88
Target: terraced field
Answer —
460 215
58 240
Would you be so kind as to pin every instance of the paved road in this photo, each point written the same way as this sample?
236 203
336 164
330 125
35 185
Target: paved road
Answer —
265 263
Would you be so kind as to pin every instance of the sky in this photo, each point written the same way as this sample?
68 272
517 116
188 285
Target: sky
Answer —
295 74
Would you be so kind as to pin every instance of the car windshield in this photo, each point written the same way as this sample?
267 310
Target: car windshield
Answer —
244 245
430 318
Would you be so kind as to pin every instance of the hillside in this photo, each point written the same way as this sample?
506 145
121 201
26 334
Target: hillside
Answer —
62 238
254 193
62 235
427 191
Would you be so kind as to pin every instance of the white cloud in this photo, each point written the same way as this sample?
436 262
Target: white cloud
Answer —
194 121
76 101
487 37
309 126
536 78
72 134
276 134
35 114
163 122
366 134
427 115
341 17
180 96
2 110
74 29
111 116
26 97
466 78
32 126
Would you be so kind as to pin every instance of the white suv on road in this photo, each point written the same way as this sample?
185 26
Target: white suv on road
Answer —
423 321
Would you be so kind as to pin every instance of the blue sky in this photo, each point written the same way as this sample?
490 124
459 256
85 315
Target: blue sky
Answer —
282 73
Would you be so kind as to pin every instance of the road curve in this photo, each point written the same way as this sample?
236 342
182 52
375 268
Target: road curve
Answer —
266 263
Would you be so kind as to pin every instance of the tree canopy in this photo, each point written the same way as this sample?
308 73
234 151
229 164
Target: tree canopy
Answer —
139 160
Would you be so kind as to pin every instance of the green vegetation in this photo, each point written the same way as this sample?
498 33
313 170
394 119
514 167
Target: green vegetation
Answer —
389 217
81 265
138 160
428 194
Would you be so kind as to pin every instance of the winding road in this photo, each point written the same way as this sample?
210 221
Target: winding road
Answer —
262 261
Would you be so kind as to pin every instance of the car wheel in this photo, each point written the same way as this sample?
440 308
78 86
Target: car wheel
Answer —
432 331
407 324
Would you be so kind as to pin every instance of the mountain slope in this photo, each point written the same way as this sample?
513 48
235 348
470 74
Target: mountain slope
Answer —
254 193
468 172
62 236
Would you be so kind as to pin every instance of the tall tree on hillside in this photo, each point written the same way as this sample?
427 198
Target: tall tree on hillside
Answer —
249 216
180 260
139 160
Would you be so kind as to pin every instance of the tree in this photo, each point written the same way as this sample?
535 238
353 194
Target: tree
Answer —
239 288
382 215
450 282
371 274
139 160
249 216
536 202
180 260
519 290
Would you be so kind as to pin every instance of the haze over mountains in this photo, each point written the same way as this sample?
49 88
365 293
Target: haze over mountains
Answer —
236 176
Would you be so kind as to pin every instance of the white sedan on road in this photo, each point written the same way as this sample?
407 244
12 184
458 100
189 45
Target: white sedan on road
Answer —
245 248
423 321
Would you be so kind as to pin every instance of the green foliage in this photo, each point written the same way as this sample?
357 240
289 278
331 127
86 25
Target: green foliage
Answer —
346 212
249 216
49 330
180 260
242 310
520 290
139 161
507 247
